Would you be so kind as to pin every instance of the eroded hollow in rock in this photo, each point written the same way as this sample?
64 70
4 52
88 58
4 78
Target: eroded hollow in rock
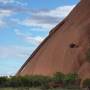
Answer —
73 45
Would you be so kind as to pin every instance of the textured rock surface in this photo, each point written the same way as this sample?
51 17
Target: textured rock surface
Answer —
64 50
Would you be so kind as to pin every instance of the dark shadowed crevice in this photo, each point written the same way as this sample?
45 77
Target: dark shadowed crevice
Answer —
73 45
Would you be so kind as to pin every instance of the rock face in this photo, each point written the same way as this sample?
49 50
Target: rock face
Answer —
64 50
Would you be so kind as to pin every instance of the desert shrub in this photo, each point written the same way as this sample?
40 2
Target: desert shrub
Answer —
57 80
58 77
40 81
3 81
28 81
71 80
86 83
14 81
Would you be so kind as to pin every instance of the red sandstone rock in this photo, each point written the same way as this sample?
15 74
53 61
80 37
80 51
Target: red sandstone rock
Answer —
64 50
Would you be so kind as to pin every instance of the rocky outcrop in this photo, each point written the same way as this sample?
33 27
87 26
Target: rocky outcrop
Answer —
64 50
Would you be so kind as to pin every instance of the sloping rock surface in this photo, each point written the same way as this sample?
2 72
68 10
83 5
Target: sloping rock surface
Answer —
64 50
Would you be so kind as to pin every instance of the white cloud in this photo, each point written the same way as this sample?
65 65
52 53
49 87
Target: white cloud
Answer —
60 12
10 1
3 14
6 1
21 3
35 40
18 2
2 23
19 52
47 19
12 57
19 33
37 23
